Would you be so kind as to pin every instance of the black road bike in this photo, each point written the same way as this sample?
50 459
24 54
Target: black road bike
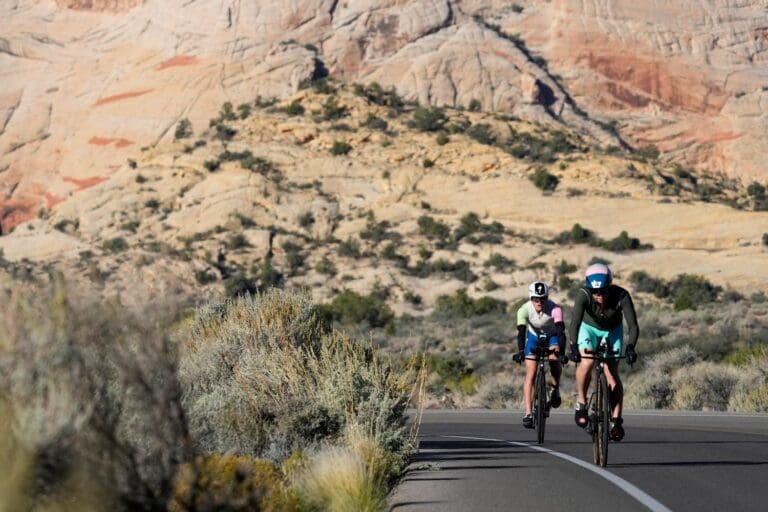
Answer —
599 405
540 388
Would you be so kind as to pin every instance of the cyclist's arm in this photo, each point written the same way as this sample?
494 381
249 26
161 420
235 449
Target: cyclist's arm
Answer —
522 322
560 331
628 308
577 315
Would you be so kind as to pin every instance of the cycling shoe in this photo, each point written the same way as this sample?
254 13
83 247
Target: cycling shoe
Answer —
554 398
528 421
617 431
580 416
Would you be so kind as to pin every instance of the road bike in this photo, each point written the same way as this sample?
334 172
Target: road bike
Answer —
599 405
540 393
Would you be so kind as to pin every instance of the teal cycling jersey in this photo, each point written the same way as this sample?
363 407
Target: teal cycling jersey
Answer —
617 306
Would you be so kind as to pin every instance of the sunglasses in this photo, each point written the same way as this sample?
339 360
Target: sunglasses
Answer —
598 291
539 299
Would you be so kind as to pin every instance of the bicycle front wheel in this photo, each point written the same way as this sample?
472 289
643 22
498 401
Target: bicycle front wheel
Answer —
603 419
540 404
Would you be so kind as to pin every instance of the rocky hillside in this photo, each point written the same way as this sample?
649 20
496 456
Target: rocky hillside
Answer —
89 84
348 187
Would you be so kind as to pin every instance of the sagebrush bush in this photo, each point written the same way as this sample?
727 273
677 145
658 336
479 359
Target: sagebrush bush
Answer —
703 386
263 377
653 388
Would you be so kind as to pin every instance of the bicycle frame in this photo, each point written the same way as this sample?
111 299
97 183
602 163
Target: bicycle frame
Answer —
540 393
599 405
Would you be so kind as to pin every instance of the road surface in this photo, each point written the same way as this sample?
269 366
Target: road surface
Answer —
486 461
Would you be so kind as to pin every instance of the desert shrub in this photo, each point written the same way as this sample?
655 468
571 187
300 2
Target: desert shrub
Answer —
624 242
765 239
429 119
351 308
459 269
544 180
703 386
378 231
468 224
262 377
306 220
244 110
462 305
433 229
427 163
326 267
260 102
474 105
233 483
90 392
350 248
500 262
689 291
224 132
377 95
294 257
115 245
454 372
239 284
643 282
482 133
340 147
211 165
332 110
183 129
501 393
295 108
237 241
442 139
653 388
649 152
205 276
266 273
565 268
375 123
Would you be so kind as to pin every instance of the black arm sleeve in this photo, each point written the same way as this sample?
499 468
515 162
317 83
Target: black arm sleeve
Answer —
521 337
577 315
628 308
560 329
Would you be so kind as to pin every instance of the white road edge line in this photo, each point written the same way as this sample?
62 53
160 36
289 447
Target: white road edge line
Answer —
640 495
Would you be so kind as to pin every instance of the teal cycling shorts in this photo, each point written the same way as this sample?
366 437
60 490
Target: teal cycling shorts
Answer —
590 336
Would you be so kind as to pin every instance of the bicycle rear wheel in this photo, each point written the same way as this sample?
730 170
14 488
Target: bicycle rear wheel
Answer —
540 405
603 419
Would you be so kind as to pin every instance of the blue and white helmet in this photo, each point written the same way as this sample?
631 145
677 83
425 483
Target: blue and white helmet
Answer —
598 276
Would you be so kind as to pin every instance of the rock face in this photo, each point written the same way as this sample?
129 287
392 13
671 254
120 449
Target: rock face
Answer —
88 83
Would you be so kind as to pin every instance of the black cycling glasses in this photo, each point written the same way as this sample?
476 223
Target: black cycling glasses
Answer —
598 291
539 299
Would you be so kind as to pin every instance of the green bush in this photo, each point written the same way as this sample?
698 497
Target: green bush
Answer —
326 267
482 133
624 242
500 262
375 123
461 305
306 220
427 163
643 282
433 229
349 248
430 119
474 105
183 129
442 139
237 285
332 110
114 245
351 308
376 94
544 180
340 147
295 108
689 291
204 276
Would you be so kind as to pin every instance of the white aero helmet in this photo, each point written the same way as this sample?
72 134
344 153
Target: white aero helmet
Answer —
538 289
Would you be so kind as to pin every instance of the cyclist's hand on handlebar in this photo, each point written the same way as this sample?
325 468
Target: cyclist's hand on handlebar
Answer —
563 357
631 354
518 358
574 354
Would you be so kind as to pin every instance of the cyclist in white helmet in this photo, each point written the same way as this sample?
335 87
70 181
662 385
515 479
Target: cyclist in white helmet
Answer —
599 311
539 314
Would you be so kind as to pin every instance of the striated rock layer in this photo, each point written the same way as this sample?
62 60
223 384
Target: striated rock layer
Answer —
88 83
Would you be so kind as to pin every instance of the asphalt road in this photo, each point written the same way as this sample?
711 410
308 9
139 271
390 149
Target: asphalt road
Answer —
485 460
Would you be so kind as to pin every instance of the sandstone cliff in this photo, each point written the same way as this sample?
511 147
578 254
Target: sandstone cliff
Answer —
90 83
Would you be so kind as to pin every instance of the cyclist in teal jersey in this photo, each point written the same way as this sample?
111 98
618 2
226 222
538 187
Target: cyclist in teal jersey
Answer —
540 315
599 311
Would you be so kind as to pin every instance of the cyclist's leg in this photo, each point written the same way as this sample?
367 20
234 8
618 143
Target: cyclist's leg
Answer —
587 340
530 372
616 341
